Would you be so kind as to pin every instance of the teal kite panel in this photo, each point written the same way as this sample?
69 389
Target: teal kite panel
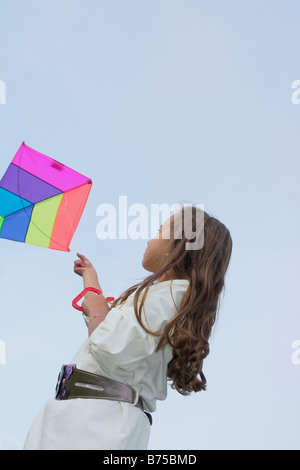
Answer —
10 203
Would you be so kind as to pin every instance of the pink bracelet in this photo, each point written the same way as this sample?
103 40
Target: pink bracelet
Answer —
82 294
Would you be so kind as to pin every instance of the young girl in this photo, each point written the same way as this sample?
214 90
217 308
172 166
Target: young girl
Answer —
157 330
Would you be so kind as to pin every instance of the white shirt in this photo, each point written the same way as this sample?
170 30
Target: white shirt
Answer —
121 349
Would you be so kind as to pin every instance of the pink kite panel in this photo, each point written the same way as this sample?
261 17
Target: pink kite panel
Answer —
68 216
55 173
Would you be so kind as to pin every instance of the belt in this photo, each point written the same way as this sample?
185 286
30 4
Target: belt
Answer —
77 383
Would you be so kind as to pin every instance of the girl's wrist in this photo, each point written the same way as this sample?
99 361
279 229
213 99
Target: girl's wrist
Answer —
90 279
90 273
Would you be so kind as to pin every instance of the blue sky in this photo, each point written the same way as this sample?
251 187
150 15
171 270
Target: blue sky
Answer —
161 101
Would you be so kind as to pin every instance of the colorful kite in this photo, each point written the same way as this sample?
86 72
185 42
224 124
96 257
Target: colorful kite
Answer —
41 200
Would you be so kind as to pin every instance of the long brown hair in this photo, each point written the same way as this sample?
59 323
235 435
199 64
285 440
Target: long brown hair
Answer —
188 332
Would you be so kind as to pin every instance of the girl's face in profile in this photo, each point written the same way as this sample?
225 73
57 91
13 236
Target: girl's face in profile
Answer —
157 249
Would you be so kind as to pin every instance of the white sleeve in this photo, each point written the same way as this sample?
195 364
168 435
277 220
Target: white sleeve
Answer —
121 342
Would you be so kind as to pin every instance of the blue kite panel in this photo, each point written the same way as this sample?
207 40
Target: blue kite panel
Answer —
15 226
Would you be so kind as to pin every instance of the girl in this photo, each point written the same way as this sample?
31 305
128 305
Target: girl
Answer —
157 330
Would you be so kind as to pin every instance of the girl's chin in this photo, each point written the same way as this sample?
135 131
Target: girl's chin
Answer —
145 266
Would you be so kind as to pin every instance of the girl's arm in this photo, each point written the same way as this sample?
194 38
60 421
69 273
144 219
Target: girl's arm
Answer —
94 306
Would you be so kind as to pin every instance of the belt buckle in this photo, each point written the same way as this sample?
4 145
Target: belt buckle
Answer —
137 396
61 390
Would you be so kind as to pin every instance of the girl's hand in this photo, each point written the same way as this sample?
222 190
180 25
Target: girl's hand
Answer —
83 266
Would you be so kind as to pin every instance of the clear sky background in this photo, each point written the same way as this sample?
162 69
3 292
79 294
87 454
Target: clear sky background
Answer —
161 101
